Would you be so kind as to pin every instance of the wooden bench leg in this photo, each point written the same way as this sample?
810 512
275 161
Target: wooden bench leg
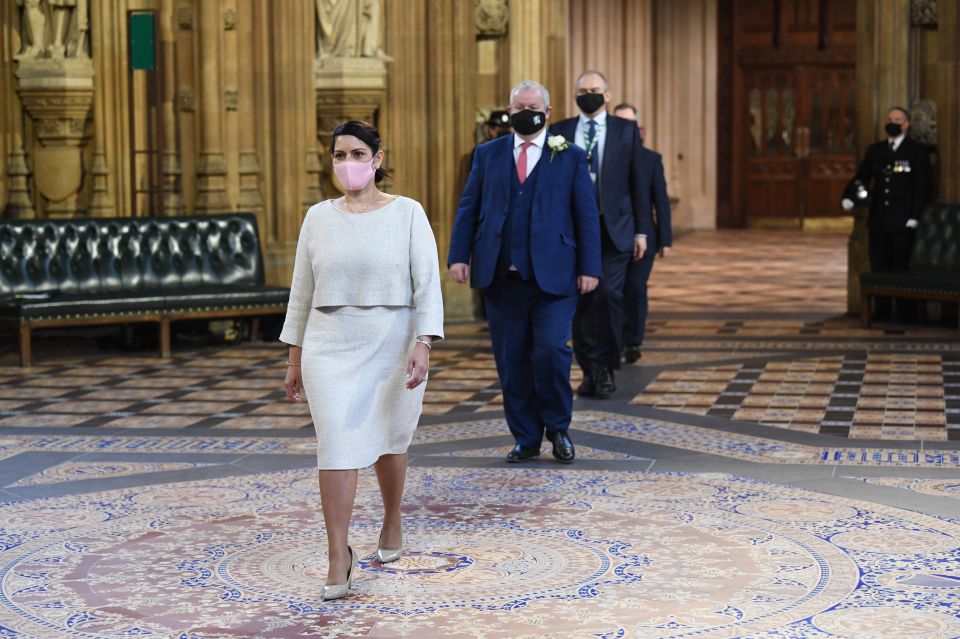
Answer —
255 330
26 335
865 308
164 337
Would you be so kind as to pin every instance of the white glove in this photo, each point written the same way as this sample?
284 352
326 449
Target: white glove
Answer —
846 203
912 223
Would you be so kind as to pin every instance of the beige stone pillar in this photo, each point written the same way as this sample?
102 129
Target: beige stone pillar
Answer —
172 195
537 44
249 198
102 203
948 106
450 102
406 94
16 196
685 130
291 76
211 168
883 80
230 110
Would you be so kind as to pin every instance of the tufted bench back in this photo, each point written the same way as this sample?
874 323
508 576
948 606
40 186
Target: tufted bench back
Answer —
937 243
120 254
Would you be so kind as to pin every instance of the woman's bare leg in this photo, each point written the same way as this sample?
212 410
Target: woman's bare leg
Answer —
338 488
391 474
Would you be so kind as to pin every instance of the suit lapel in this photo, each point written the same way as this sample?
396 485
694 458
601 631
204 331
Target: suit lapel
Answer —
543 165
613 134
506 166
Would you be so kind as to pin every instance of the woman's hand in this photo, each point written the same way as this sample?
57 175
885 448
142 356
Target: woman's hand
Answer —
293 383
418 365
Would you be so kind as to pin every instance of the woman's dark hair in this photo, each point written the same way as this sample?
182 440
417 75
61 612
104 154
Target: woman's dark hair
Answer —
364 132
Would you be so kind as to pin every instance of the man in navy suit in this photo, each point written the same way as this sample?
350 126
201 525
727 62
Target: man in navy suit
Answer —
622 191
635 302
526 233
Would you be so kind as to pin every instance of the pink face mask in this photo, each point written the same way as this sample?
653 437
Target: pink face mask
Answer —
354 176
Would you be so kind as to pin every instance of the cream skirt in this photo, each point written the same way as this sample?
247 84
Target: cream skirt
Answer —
354 365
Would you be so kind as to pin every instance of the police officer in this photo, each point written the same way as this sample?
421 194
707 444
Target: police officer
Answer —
897 172
497 124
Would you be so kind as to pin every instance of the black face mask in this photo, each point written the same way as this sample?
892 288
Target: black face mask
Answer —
590 102
528 122
893 129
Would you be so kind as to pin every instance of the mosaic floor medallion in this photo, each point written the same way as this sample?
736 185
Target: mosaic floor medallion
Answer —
529 553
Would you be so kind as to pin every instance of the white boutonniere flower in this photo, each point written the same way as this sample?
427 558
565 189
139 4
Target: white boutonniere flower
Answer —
557 143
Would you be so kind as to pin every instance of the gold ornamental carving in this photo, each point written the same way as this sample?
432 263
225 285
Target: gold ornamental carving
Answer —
492 18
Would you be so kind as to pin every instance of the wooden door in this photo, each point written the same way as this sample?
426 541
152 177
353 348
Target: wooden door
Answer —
826 146
790 111
799 150
771 171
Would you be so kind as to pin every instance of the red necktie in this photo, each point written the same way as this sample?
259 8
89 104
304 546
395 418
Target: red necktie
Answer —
522 162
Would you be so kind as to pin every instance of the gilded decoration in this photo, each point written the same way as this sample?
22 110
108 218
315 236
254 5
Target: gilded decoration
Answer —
923 122
492 18
923 13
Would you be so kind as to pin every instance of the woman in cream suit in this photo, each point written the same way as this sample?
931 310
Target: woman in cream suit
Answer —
365 309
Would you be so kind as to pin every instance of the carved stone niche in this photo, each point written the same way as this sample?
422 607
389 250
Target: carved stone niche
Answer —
335 107
58 96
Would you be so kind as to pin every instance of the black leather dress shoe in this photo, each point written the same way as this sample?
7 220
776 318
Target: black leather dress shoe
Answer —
605 385
563 450
631 353
589 385
522 453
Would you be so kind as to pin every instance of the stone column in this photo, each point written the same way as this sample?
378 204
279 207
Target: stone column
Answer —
948 107
101 203
451 96
883 80
212 168
172 202
17 199
291 78
538 47
250 198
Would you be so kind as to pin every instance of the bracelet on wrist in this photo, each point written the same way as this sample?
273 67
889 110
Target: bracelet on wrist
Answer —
425 343
292 364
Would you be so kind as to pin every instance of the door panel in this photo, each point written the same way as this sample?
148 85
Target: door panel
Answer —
793 109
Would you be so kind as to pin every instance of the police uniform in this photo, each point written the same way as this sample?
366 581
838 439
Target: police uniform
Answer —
900 180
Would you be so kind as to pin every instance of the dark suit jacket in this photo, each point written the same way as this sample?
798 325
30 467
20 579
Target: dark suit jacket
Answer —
897 195
663 234
624 187
564 228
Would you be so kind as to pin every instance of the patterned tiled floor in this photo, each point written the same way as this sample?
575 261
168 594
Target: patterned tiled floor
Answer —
768 470
542 553
870 396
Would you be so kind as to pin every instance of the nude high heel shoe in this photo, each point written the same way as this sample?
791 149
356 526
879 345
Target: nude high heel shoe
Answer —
339 591
385 556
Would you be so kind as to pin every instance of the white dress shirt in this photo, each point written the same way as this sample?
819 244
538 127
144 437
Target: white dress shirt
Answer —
897 141
580 139
534 151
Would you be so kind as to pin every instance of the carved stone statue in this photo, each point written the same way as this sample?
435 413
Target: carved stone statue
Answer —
350 29
33 30
54 29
